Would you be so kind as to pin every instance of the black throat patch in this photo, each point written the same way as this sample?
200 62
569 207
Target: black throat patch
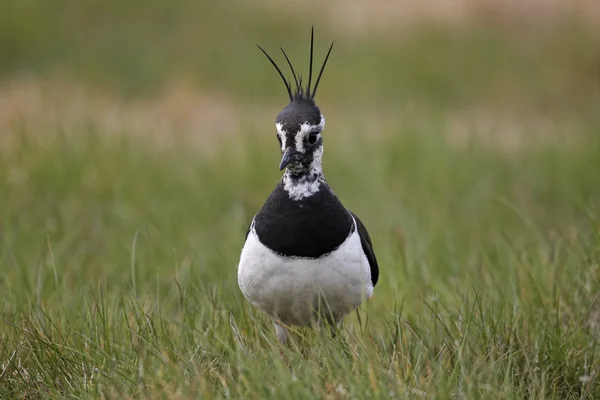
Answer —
310 227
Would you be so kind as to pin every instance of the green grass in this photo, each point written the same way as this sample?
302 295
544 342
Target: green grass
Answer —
118 256
119 271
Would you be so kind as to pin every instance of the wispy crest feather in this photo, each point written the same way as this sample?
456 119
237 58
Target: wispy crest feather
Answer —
300 92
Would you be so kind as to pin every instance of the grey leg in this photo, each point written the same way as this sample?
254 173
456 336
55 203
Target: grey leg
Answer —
325 326
334 327
282 336
281 332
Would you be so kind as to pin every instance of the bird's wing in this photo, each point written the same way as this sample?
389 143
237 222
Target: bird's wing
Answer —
365 241
249 228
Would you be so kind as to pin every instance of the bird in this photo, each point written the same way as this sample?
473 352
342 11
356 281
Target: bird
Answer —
306 259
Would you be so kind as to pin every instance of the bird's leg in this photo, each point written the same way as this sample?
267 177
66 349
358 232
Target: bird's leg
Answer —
281 332
325 316
327 324
334 327
282 335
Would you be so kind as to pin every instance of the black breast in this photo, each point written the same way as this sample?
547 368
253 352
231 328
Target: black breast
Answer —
311 227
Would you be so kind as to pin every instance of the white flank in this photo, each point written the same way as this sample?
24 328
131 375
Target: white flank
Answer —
288 288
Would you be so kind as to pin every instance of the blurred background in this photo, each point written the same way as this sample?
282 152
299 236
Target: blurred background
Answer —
193 67
137 140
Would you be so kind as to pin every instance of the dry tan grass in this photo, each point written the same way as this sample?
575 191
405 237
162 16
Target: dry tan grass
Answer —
505 131
182 116
38 108
360 16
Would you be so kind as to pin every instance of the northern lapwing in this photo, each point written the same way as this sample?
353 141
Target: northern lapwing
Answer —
307 260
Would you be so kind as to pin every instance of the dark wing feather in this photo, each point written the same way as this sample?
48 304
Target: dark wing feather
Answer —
365 241
249 228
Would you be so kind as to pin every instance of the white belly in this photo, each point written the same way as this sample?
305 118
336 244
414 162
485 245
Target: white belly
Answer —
291 288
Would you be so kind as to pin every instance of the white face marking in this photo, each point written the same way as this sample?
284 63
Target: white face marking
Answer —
286 287
282 135
307 186
305 129
317 160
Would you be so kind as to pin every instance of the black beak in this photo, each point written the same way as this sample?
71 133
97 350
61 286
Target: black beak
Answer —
288 156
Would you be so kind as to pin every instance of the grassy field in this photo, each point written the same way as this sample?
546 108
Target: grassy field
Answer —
137 144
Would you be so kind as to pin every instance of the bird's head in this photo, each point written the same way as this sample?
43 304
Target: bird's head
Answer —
300 123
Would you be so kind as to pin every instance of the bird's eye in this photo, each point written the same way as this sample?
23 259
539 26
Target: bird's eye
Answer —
312 138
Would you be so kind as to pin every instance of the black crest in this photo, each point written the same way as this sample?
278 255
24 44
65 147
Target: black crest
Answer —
301 92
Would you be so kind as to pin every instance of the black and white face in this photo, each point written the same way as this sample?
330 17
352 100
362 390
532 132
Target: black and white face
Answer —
299 128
